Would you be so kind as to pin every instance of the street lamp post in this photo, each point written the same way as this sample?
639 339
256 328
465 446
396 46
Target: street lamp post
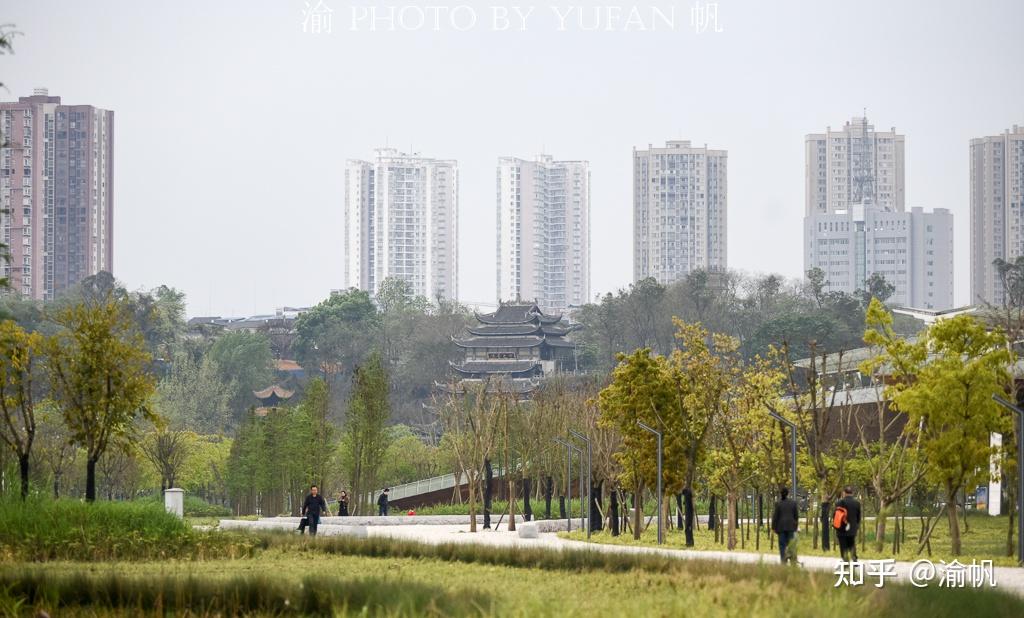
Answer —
1020 473
792 441
661 534
569 447
590 481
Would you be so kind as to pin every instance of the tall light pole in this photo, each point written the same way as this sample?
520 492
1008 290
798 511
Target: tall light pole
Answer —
661 534
590 472
1020 474
792 442
568 479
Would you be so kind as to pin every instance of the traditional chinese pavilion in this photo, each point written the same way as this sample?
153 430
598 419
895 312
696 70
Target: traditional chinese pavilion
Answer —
516 345
271 398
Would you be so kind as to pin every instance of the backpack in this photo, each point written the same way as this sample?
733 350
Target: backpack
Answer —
839 521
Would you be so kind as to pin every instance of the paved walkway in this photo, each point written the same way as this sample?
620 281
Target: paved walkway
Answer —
1006 578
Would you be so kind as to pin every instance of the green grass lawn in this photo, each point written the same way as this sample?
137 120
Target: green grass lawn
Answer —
984 539
314 578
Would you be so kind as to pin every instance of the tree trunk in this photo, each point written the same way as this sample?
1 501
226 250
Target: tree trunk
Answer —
689 515
679 511
527 510
90 479
731 524
637 516
488 477
472 502
826 529
511 501
23 468
614 518
548 491
595 512
712 513
954 520
561 507
880 520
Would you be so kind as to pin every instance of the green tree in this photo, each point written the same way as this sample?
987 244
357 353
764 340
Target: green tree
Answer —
244 364
961 365
322 443
194 395
100 377
340 330
365 434
20 374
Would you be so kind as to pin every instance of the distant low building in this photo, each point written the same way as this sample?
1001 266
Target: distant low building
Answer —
912 250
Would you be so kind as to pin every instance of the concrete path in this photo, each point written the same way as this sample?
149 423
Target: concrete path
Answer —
1005 578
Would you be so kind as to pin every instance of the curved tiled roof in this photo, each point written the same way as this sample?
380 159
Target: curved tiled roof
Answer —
490 330
500 342
517 314
497 367
274 390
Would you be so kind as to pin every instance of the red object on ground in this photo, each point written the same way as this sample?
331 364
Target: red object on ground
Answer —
411 512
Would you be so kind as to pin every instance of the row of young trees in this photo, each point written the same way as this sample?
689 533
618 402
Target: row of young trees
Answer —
914 428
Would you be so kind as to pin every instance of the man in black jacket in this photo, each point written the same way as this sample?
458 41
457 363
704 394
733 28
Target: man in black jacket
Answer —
312 508
382 502
847 534
784 522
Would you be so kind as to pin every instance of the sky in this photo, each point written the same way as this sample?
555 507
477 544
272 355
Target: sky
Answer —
233 119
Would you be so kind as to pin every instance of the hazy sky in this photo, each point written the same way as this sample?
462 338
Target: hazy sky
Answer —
232 125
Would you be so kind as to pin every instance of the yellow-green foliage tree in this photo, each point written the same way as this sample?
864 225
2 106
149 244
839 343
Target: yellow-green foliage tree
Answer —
739 454
642 390
20 372
893 466
961 364
702 372
100 377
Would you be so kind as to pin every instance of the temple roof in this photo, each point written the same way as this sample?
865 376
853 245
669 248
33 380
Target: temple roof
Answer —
273 395
504 329
496 367
529 341
518 313
275 391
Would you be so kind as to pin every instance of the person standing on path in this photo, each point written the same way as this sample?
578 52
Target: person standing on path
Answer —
382 502
785 519
313 507
846 521
343 504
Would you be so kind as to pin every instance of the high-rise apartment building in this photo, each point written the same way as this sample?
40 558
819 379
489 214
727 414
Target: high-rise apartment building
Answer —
401 220
912 250
56 193
852 166
680 204
544 232
997 210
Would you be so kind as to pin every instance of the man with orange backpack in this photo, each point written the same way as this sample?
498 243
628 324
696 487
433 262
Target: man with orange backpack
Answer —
846 521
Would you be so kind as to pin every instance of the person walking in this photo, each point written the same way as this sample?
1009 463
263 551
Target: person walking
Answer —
785 519
846 521
312 508
343 504
382 502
